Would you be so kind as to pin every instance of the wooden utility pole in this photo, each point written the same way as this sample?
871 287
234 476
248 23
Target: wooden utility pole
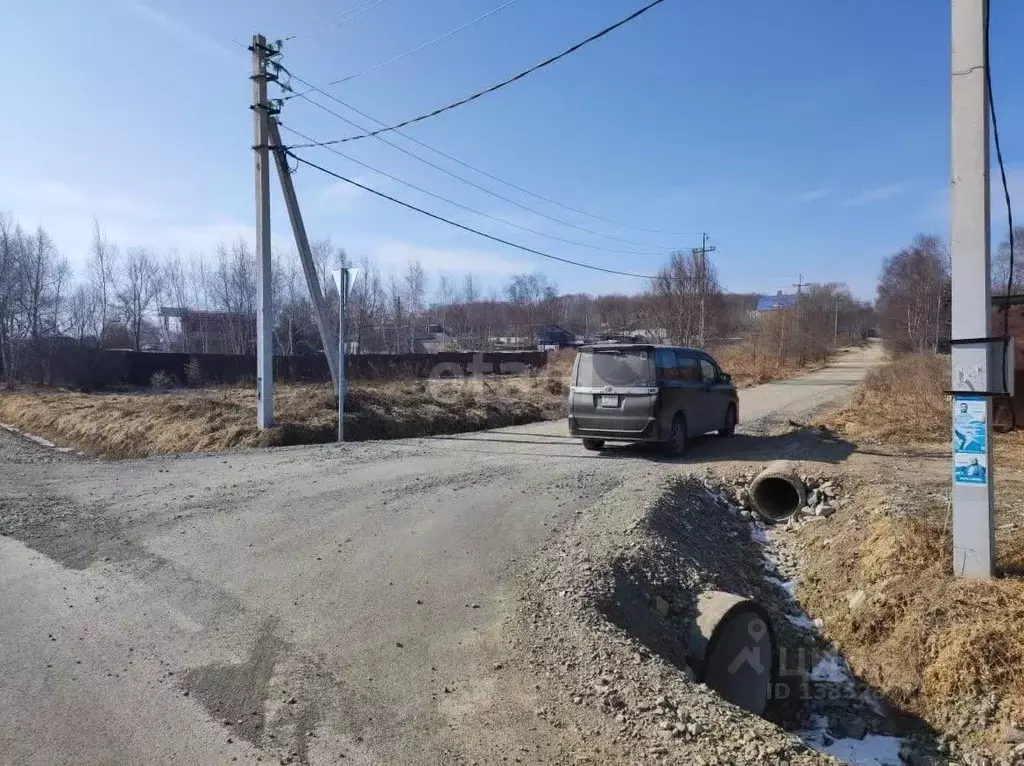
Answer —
264 309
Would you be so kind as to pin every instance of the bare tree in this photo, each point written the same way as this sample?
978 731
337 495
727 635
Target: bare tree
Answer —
914 296
11 324
232 288
137 290
444 297
102 269
396 309
685 298
1001 263
415 283
82 319
531 298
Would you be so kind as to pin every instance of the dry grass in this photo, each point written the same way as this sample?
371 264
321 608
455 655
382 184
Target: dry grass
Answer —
560 363
143 423
904 402
750 368
900 401
934 645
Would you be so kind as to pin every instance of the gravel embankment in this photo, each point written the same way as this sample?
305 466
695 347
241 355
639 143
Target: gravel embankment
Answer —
608 608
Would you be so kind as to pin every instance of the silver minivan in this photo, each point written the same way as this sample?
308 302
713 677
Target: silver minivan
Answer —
647 393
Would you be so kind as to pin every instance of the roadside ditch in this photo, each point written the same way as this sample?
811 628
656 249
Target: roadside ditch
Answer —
610 620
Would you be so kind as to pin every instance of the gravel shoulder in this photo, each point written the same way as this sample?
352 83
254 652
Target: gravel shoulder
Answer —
305 602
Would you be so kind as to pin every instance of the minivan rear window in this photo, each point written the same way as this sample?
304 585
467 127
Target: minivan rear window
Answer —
614 367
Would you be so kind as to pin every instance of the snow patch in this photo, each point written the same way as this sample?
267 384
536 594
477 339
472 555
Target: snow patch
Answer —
788 585
873 750
802 621
758 535
831 669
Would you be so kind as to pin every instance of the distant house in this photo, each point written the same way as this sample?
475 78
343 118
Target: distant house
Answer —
553 336
775 302
209 332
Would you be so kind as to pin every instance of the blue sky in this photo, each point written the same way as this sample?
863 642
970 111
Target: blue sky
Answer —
805 137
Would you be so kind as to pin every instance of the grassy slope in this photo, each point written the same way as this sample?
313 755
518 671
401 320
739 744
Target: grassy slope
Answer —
932 643
138 424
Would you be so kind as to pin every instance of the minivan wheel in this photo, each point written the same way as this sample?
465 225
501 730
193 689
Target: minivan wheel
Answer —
594 445
677 439
729 427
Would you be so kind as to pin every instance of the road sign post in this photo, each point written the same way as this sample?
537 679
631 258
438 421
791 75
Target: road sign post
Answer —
343 281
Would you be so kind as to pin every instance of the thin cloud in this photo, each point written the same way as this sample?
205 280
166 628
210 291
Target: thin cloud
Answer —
182 32
340 195
879 194
810 196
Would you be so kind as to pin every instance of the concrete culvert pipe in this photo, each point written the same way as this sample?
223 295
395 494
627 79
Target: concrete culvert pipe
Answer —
777 492
732 649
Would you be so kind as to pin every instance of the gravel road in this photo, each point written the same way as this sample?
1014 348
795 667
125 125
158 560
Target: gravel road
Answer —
301 604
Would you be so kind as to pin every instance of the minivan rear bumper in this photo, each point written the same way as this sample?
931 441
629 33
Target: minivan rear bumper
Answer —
649 433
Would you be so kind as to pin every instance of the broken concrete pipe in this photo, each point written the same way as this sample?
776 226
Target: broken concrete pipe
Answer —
777 492
732 649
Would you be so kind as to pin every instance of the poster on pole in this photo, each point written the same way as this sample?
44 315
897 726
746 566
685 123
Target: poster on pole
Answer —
970 440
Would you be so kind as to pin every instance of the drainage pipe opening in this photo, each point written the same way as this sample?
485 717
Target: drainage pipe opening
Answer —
777 492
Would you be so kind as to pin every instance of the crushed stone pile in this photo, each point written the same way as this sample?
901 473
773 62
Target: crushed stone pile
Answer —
608 610
824 497
608 607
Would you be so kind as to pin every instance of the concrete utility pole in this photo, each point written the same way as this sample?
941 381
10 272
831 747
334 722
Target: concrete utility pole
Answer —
799 287
972 347
702 255
264 311
316 295
835 327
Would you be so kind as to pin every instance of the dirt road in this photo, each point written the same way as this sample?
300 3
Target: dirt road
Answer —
302 603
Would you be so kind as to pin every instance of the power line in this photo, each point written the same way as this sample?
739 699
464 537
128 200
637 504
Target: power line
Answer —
419 48
1007 340
496 86
314 88
484 189
473 210
344 17
470 229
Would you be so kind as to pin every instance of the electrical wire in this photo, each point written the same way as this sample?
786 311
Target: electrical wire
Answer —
314 88
1009 214
419 48
470 229
496 86
468 209
344 17
475 185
